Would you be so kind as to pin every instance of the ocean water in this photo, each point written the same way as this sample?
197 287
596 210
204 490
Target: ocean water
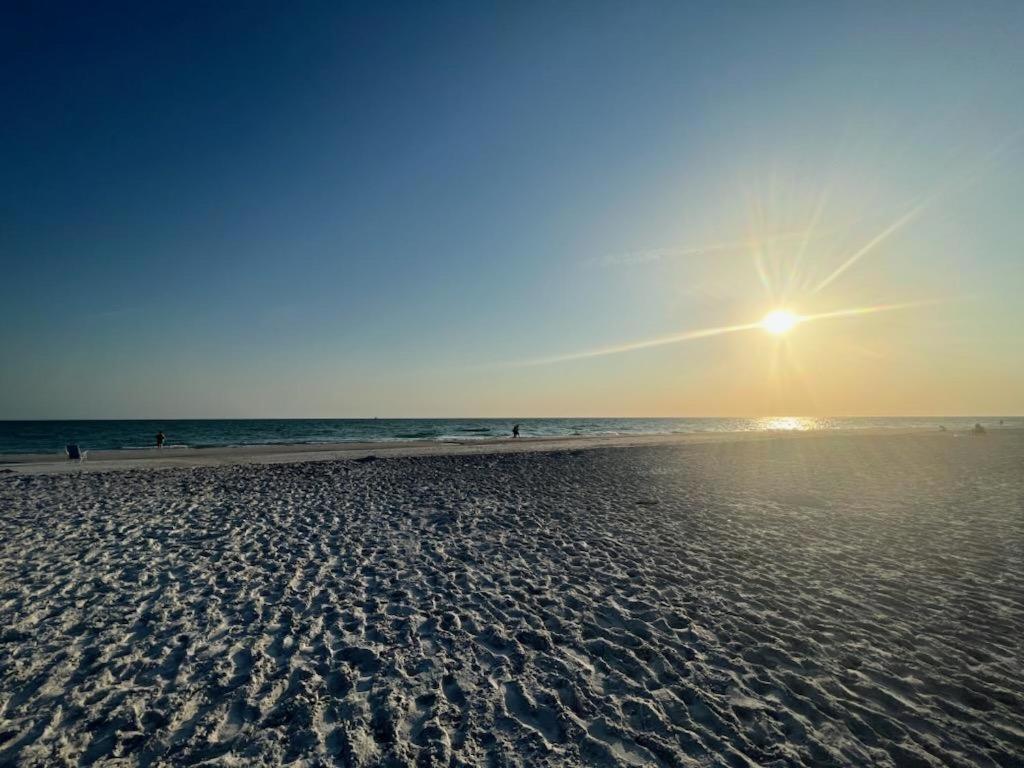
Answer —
52 436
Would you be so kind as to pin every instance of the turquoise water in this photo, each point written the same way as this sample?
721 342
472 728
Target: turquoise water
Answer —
52 436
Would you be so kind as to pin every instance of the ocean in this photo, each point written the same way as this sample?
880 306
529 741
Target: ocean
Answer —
52 436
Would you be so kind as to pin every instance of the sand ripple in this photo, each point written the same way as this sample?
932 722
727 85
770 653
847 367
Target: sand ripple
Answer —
832 601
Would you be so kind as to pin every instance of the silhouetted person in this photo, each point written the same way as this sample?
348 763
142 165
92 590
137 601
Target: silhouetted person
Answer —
515 431
160 439
978 429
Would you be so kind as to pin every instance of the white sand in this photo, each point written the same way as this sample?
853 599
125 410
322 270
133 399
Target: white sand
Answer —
837 600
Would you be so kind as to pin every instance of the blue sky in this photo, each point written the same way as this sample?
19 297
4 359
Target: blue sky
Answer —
382 209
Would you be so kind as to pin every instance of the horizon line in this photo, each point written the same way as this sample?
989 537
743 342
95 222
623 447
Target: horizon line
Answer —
548 418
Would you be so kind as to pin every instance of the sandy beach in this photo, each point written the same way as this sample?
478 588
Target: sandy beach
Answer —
833 599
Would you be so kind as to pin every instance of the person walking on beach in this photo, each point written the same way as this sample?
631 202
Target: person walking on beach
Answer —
515 431
160 439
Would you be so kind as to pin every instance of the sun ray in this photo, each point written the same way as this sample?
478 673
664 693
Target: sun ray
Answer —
873 243
705 333
870 310
819 209
758 253
945 187
677 338
803 380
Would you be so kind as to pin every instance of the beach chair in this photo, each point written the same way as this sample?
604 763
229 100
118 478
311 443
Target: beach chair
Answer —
74 452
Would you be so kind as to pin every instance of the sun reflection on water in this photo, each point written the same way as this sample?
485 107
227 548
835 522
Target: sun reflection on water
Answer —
789 423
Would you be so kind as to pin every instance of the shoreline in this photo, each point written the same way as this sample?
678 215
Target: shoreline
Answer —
165 458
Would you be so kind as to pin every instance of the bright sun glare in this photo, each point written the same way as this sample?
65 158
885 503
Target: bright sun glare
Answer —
779 321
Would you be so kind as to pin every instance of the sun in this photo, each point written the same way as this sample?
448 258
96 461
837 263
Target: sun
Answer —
780 321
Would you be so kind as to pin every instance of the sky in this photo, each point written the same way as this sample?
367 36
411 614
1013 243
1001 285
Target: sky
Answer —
218 210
